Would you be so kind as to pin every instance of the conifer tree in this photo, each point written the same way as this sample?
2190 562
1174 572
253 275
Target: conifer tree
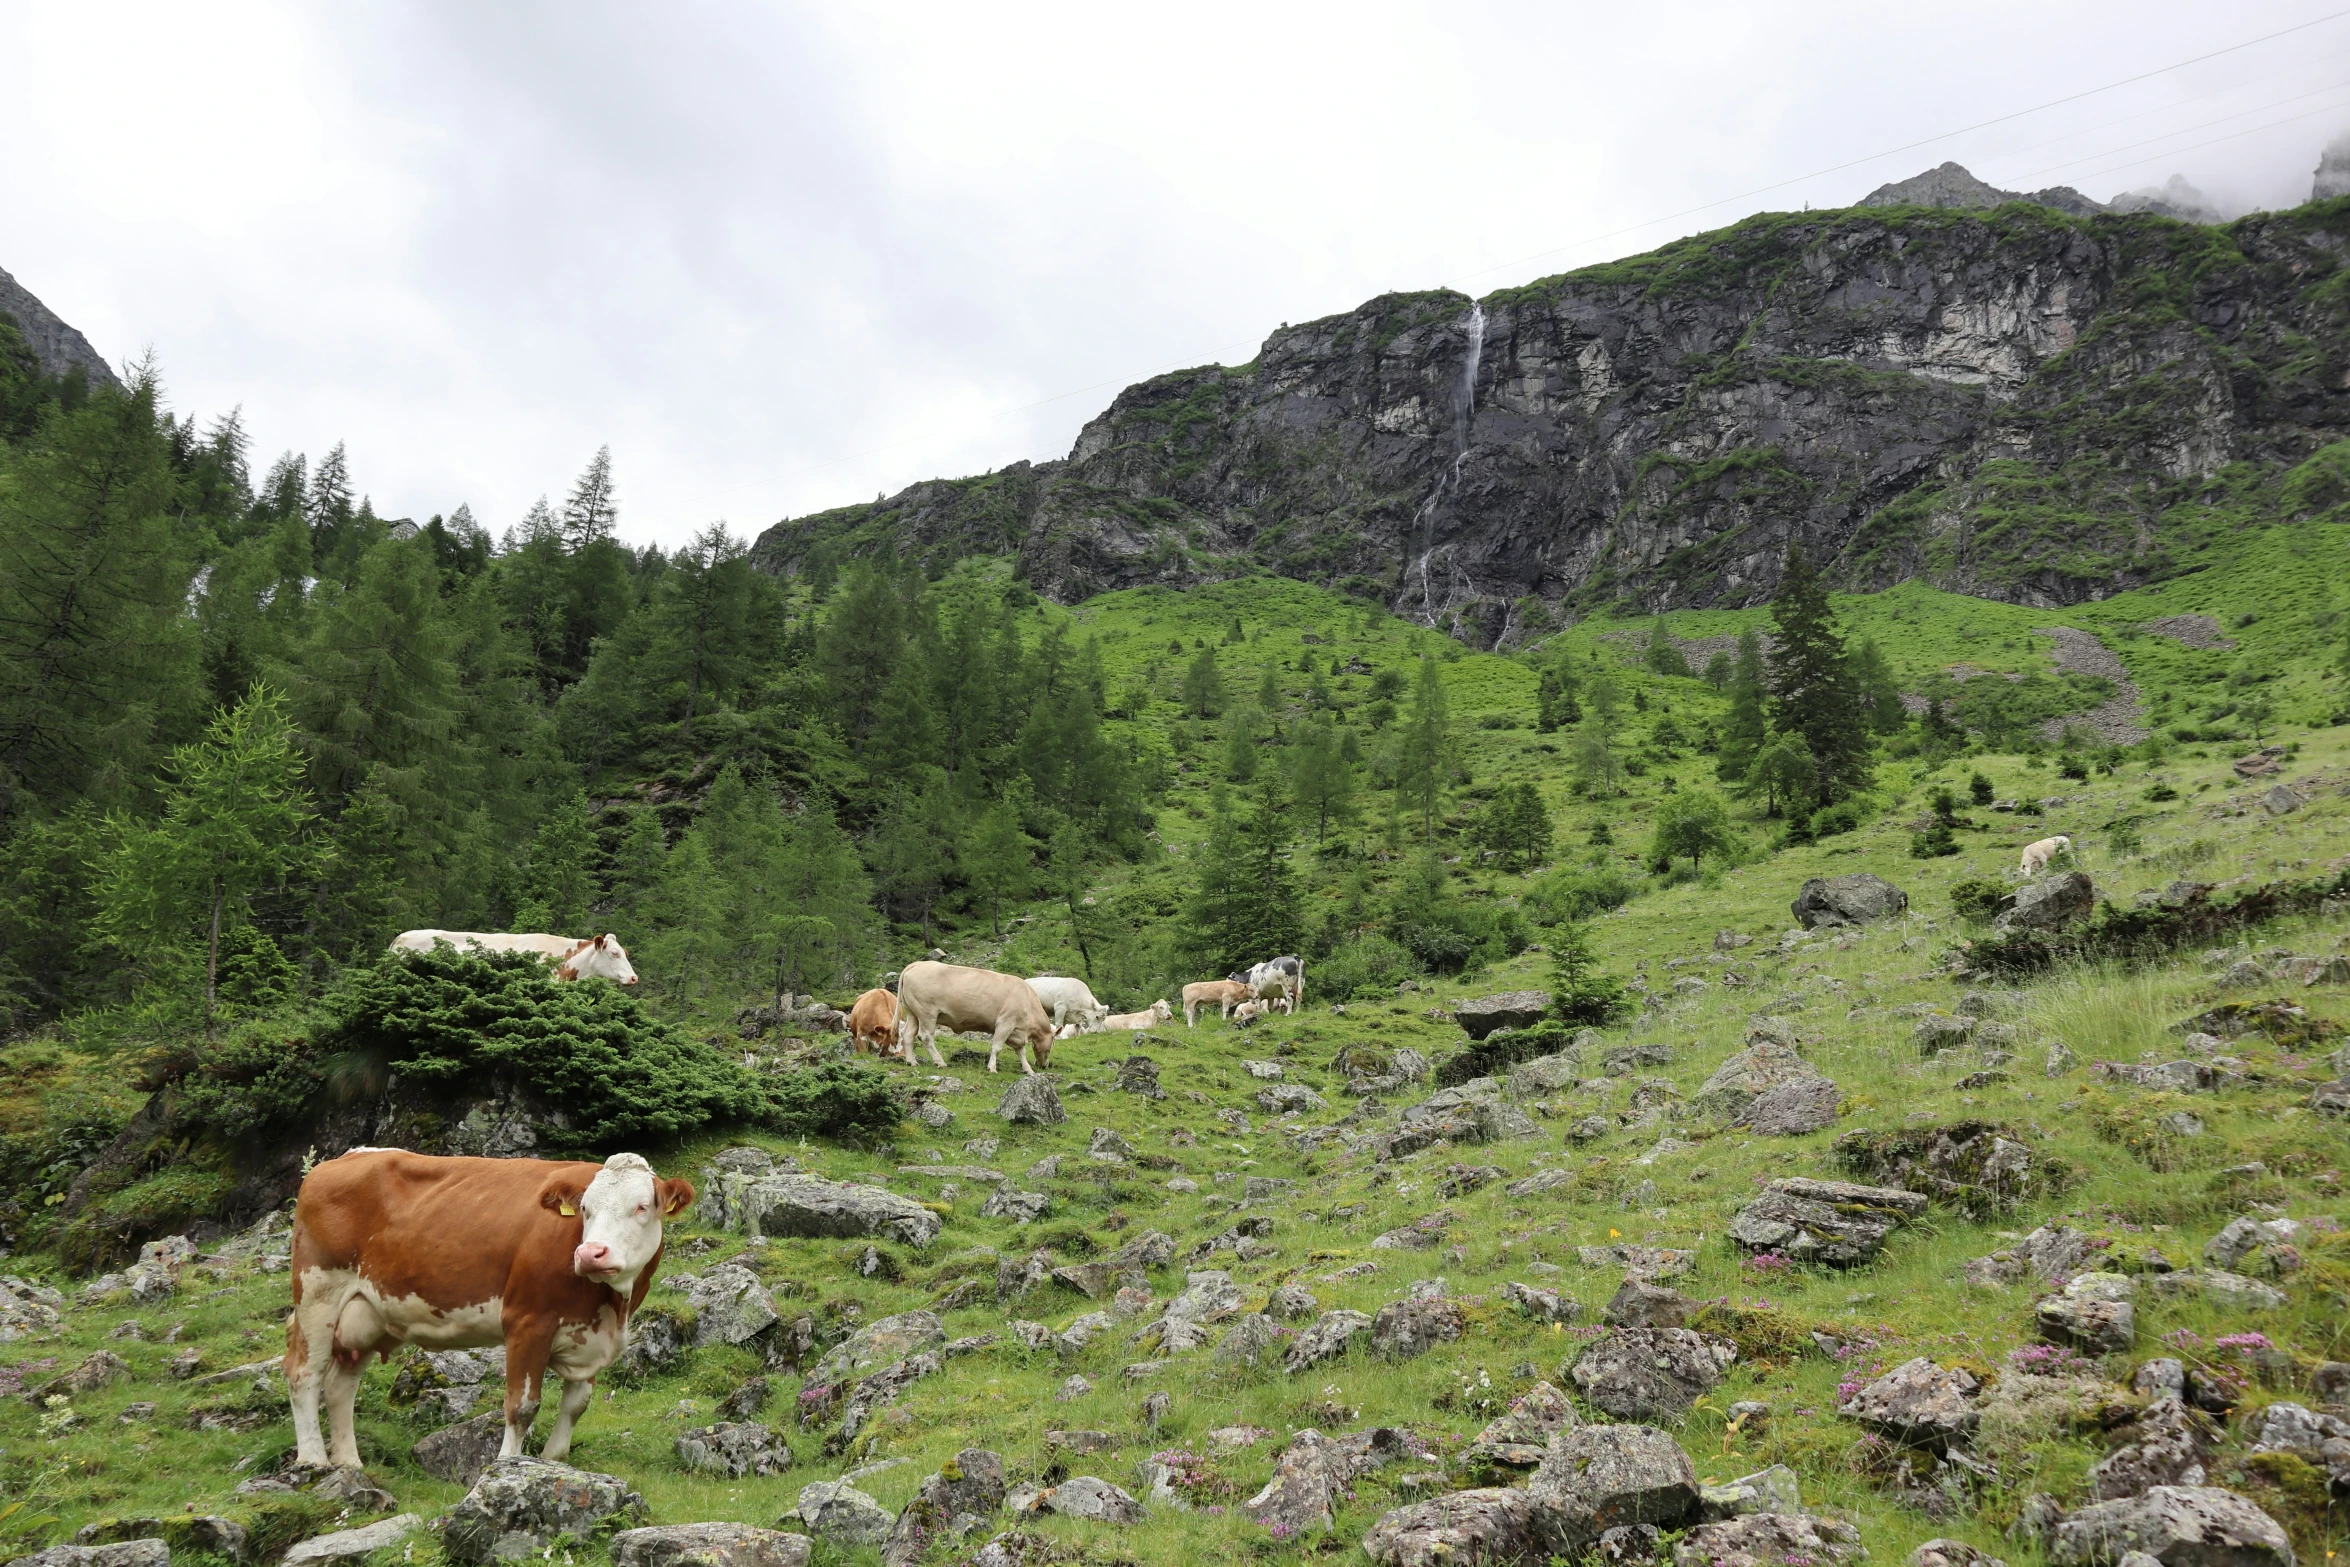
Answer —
1814 694
1582 994
1556 703
327 503
592 511
998 859
1322 781
1203 686
1663 654
1746 729
559 883
1424 759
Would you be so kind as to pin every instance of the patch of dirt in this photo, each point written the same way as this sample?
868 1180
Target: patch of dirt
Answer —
2195 631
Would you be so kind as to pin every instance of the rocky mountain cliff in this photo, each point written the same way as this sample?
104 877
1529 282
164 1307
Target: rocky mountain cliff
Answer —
57 346
2015 402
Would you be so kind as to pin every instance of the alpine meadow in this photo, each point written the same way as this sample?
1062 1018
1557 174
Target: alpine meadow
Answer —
1695 912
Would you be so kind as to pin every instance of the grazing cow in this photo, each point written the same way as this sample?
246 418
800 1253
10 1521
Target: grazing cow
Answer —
946 995
1246 1014
1069 1002
394 1248
574 957
1222 994
2037 855
873 1025
1276 979
1159 1013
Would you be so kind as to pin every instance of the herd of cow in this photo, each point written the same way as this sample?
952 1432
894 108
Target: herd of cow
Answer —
1029 1014
551 1258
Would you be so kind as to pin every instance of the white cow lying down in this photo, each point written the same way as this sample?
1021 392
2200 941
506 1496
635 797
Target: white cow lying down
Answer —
574 957
2037 855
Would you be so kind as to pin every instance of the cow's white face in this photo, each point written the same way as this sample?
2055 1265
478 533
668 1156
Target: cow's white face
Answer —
620 1217
603 958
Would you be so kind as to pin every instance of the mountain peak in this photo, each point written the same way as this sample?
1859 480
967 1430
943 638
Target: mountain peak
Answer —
56 345
1954 185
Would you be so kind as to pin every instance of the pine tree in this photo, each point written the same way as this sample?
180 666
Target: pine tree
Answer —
1243 906
1424 759
1814 694
1515 826
1322 779
1745 730
998 860
559 883
1664 655
1203 686
1880 692
591 513
1581 993
232 823
1555 700
326 504
1784 774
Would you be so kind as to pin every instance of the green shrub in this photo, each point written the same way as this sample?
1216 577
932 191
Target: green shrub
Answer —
1842 817
1976 898
832 1099
1370 965
1934 843
108 1232
1577 892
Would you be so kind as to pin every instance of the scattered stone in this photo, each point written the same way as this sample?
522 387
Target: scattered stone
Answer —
1937 1032
1773 1490
1253 1340
522 1506
2220 1286
735 1449
1140 1075
2092 1326
1643 1373
965 1492
1827 903
1638 1262
2170 1077
125 1553
709 1545
1073 1389
1597 1478
1154 1410
1543 1305
808 1206
1032 1101
1282 1098
1208 1296
837 1511
1770 1540
1518 1438
879 1343
1292 1303
1833 1222
2257 1241
461 1453
1091 1498
1952 1553
1327 1339
346 1545
1920 1404
1490 1527
1792 1109
1640 1304
730 1305
1407 1328
2177 1525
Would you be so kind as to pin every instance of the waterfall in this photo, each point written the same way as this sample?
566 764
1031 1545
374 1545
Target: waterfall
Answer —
1464 414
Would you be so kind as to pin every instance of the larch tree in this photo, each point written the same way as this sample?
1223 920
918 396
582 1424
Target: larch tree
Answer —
1814 694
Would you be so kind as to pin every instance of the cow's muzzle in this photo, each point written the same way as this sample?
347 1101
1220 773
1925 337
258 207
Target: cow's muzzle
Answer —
593 1259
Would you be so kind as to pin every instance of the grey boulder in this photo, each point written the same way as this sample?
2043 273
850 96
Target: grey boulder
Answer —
1255 1339
460 1453
2177 1525
810 1207
1834 1222
1642 1373
709 1545
1763 1065
2092 1326
2050 904
1770 1540
1792 1109
1413 1327
124 1553
1488 1527
1518 1437
1510 1009
966 1492
1919 1404
730 1305
880 1343
1325 1340
1313 1473
1598 1478
1833 901
521 1506
346 1545
1032 1101
1093 1498
1774 1490
837 1511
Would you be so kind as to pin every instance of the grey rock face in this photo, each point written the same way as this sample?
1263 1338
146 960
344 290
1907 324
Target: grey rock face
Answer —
709 1545
1605 1477
460 1453
1518 1438
1834 901
837 1511
1834 1222
735 1449
1758 1539
1325 1340
2050 904
1510 1009
795 1205
1413 1327
2294 1428
1491 1527
57 348
1643 1373
523 1505
1919 1403
1032 1101
2177 1525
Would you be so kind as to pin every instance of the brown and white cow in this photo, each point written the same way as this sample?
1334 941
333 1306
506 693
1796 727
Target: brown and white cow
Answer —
393 1248
574 957
1222 994
873 1025
1003 1006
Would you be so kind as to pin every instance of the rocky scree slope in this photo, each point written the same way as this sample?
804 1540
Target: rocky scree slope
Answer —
2001 402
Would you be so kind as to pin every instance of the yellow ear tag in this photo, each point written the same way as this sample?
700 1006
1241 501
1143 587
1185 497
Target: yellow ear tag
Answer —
568 1210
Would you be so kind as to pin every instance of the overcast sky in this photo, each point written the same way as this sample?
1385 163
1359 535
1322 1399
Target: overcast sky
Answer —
787 257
